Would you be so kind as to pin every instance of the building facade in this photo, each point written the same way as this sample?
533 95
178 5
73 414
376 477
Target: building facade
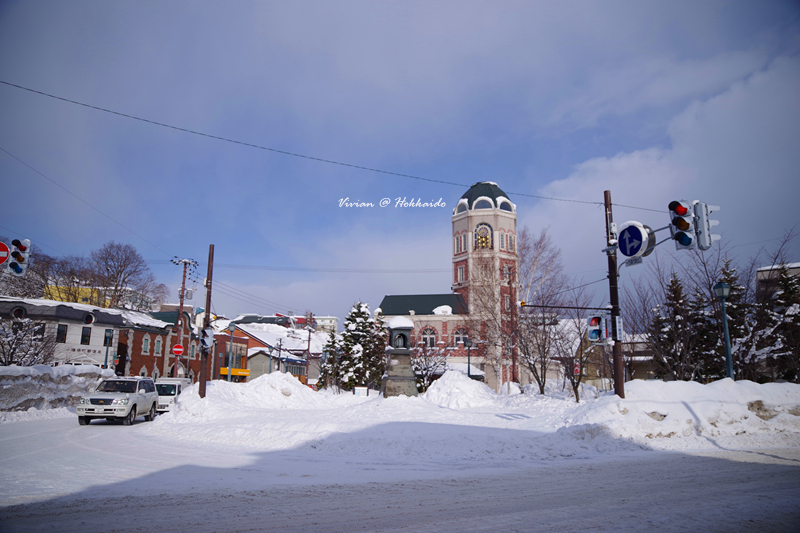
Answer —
482 305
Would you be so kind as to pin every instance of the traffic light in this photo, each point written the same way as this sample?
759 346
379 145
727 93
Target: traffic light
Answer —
20 257
682 225
596 331
703 225
207 338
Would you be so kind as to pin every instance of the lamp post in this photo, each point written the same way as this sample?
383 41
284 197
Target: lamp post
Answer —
231 328
109 337
723 291
468 344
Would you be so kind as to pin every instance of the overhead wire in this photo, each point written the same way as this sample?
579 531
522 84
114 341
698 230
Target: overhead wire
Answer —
292 154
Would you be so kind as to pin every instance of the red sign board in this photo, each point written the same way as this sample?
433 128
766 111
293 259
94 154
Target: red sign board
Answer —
177 349
3 252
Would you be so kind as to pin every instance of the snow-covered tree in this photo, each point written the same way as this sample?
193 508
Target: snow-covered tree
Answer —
671 336
25 343
356 357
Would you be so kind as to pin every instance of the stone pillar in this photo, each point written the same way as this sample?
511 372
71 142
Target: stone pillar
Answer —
399 378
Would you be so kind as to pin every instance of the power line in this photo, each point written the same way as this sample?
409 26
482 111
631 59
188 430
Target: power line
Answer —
284 152
82 200
322 270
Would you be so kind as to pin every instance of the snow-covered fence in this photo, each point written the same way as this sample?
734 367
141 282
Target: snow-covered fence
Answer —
44 387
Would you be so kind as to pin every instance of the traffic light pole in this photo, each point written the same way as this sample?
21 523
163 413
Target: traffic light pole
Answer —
206 323
619 366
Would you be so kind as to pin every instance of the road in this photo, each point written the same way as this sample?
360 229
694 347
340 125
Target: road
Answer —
57 476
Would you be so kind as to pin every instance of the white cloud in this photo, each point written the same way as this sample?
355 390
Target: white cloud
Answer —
738 150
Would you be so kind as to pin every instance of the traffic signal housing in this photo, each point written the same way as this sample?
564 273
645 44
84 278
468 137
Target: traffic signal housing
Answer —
682 225
703 225
20 257
207 338
595 328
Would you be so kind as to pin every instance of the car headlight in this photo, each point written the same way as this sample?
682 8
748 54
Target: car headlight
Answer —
120 401
84 401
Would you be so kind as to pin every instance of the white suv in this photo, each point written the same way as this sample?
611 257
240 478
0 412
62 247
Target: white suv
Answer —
120 398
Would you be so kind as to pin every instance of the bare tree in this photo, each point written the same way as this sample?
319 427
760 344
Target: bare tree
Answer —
25 343
120 269
428 364
571 346
35 280
491 314
72 279
541 286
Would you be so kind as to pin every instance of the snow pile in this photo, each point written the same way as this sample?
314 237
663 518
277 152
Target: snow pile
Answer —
457 391
43 386
724 413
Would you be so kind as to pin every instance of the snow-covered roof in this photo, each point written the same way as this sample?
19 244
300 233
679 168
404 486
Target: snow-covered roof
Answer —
294 340
399 322
131 318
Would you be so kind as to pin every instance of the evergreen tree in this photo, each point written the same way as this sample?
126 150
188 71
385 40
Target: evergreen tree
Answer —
672 337
356 358
702 325
787 303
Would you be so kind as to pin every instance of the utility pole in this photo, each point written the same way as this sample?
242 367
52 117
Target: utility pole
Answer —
611 251
206 324
179 321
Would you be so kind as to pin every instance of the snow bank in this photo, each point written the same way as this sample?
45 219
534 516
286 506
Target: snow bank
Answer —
45 387
676 415
457 391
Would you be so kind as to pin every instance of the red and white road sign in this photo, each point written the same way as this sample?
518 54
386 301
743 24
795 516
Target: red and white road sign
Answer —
177 349
3 252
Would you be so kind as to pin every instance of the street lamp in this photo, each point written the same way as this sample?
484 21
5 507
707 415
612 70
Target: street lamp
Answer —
231 328
468 344
723 291
109 337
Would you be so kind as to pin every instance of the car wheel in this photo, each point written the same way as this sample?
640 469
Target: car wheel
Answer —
128 420
83 420
149 417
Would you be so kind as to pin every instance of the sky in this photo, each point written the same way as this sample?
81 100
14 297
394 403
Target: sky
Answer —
305 104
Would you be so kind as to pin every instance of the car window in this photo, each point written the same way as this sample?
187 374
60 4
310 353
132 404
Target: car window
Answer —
114 385
165 389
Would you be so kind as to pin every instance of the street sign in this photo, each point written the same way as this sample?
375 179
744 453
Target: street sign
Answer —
3 252
177 349
633 239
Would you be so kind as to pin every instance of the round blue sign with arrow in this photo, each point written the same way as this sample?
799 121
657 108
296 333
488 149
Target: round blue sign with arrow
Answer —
633 239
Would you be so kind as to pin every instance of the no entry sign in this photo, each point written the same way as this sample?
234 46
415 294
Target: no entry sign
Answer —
3 252
177 349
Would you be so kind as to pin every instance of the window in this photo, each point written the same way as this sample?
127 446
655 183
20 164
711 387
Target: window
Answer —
429 337
482 204
505 206
510 243
158 347
86 335
61 334
483 236
461 208
108 339
464 237
84 299
460 275
459 336
502 241
146 344
191 351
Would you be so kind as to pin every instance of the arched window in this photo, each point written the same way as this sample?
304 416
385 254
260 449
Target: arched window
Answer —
460 336
461 208
158 347
482 204
505 206
429 337
143 372
146 345
483 236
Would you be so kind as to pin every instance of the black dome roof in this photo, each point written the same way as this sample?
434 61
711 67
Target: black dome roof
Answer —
484 188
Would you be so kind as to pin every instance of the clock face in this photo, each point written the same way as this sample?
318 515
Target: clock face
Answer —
483 236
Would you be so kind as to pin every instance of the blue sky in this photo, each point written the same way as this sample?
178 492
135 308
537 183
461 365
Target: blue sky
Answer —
654 101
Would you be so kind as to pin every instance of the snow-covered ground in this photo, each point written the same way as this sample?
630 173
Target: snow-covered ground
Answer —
274 455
